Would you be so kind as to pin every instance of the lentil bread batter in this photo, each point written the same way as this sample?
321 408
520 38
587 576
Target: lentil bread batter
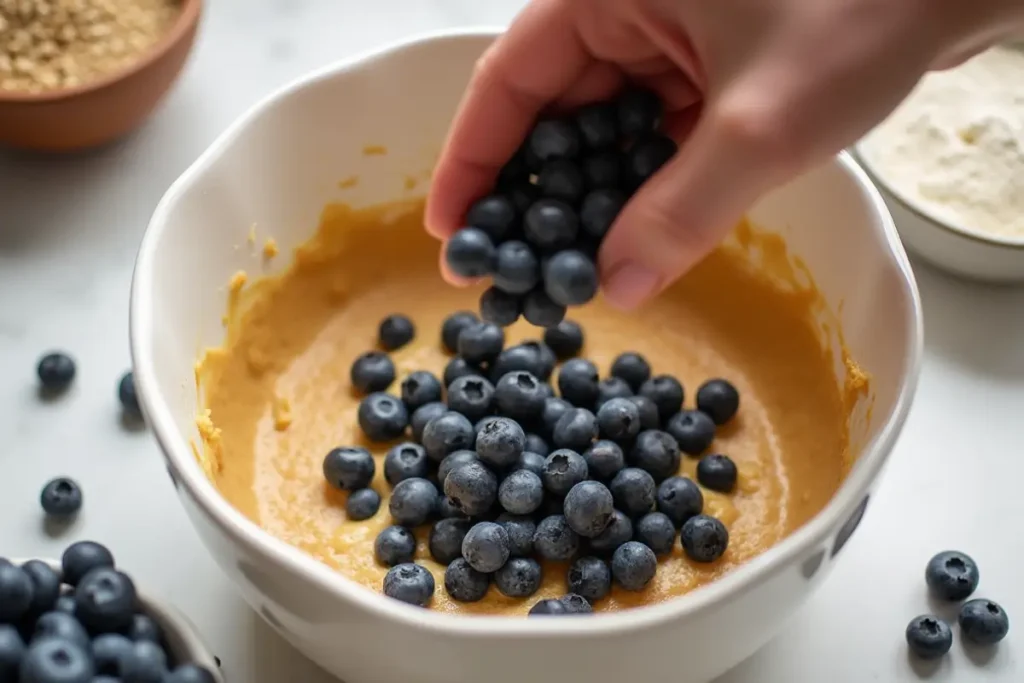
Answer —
277 394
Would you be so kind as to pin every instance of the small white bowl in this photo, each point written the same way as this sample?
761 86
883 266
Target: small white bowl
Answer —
948 245
183 640
277 167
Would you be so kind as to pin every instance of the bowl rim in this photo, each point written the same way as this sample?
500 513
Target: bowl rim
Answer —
956 228
191 11
175 446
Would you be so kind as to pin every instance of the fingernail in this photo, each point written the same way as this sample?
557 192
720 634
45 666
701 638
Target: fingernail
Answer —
630 284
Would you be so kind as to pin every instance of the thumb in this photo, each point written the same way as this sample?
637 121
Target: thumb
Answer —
682 212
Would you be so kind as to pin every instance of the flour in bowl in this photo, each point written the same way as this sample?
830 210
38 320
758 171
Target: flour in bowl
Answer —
955 147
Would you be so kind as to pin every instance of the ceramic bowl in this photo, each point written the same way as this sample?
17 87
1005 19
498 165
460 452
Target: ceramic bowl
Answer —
954 247
103 110
183 640
277 167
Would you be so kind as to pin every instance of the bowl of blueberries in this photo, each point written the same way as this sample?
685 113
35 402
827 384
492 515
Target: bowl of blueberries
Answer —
280 164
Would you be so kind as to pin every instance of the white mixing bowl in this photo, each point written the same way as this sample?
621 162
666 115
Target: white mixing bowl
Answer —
276 168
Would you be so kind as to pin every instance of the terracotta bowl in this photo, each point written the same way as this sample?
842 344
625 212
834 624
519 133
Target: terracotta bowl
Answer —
102 110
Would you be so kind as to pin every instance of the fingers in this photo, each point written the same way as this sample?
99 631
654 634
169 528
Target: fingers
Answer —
538 60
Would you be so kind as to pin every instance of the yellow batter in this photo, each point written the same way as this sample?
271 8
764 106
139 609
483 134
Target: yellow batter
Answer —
277 394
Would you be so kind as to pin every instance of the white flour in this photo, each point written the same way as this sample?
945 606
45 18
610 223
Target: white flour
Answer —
955 147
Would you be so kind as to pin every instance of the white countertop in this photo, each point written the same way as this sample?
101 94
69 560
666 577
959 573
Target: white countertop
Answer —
69 229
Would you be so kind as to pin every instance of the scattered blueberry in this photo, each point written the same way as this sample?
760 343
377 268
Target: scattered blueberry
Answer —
648 155
56 371
105 600
362 504
15 593
718 399
520 529
634 491
459 367
632 368
481 343
372 371
548 607
82 557
486 547
413 501
570 278
128 397
532 357
666 392
472 488
561 179
470 253
452 327
599 210
555 540
446 434
421 416
420 388
554 139
612 387
563 469
565 339
604 459
45 587
521 492
717 472
656 531
499 307
589 577
588 508
704 538
517 268
404 461
680 499
554 409
445 542
56 661
395 331
578 382
693 430
453 460
409 583
983 622
471 396
618 419
501 441
463 583
952 576
618 531
929 637
576 430
519 578
349 468
61 497
394 545
633 565
639 111
657 452
541 310
576 604
109 651
145 663
649 418
382 417
60 625
520 396
536 445
494 214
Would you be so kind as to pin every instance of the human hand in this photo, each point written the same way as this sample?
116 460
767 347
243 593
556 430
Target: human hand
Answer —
755 93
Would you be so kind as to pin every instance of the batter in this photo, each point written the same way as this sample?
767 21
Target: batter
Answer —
277 394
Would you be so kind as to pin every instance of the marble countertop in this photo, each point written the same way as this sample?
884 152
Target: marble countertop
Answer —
69 229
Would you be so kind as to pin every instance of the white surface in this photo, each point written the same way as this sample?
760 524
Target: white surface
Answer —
68 233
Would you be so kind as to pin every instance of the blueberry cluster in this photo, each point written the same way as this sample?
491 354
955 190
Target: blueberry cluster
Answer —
81 625
953 576
512 475
538 233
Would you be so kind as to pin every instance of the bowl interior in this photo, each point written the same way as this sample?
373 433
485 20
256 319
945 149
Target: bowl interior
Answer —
382 119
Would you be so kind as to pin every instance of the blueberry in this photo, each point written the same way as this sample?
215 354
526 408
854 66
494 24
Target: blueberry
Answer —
60 625
520 395
463 583
618 420
362 504
459 367
666 392
680 499
522 195
56 371
453 460
61 497
394 545
717 472
566 340
517 268
45 586
65 603
929 637
563 469
570 278
109 651
144 627
704 538
16 593
144 663
486 547
531 460
452 327
693 430
639 111
494 214
555 540
56 661
604 459
634 491
82 557
521 492
500 442
472 488
447 510
532 357
421 416
649 154
128 396
554 139
578 382
554 409
599 210
372 371
561 179
187 673
952 575
590 578
656 531
598 125
409 583
632 368
618 531
612 387
588 508
405 461
499 307
649 418
395 331
419 389
576 430
576 604
521 530
983 622
413 501
12 651
446 537
718 399
382 417
541 310
446 434
602 170
471 396
657 452
633 565
536 445
481 343
470 253
105 600
551 224
519 578
548 607
349 468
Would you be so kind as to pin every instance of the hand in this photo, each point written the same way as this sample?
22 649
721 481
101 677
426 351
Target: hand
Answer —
756 92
